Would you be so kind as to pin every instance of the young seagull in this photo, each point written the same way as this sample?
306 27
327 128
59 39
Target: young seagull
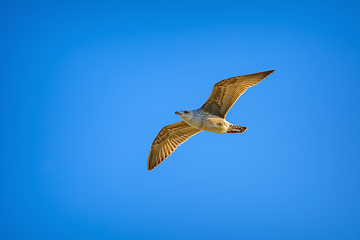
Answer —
210 117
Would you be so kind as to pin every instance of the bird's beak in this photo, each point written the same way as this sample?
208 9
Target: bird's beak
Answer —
177 113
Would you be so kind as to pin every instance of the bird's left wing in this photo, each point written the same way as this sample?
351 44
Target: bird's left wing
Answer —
226 92
168 139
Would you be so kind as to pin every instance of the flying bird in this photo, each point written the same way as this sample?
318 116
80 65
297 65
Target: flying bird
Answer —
209 117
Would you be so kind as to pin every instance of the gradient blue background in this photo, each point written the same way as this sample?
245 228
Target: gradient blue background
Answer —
86 87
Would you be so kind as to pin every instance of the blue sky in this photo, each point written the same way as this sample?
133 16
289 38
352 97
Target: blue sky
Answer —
86 87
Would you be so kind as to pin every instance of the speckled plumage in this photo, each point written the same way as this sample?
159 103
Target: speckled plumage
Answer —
210 117
205 121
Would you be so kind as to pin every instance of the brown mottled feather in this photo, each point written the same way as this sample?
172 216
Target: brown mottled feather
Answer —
168 139
226 92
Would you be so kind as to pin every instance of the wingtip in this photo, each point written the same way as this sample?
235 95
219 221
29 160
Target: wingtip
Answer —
270 71
267 73
149 168
151 165
263 74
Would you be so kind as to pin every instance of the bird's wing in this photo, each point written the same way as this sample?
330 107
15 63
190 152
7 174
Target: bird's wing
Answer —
168 139
226 92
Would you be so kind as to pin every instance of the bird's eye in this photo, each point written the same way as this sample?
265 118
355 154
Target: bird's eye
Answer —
186 111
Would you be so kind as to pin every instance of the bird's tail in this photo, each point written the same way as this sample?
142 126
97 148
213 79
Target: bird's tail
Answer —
236 129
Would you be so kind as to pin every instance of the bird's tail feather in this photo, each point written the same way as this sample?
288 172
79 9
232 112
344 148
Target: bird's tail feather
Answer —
236 129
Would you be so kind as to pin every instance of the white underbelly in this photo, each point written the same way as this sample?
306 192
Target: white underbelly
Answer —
216 124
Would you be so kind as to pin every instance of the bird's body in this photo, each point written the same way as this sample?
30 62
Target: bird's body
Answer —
205 121
209 117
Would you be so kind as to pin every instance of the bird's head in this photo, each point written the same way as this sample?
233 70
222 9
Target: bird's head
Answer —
185 114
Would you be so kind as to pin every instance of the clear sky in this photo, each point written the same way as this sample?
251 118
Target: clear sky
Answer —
86 86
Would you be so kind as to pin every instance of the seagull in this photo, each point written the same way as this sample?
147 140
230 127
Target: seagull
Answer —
209 117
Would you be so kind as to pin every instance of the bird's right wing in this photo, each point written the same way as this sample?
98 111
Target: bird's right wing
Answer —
168 139
226 92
